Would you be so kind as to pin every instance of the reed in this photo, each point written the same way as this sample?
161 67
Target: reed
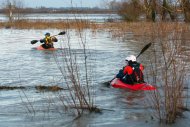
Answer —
167 64
77 74
42 88
116 28
27 103
143 30
168 71
43 24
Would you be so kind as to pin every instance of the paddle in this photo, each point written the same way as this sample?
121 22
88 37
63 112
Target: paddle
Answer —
61 33
142 51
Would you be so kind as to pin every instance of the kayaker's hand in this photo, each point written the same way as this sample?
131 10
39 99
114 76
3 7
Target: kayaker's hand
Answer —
41 40
54 39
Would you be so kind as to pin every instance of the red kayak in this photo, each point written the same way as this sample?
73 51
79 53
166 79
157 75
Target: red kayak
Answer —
116 83
41 48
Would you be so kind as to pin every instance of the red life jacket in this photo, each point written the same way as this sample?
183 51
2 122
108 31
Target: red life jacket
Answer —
133 73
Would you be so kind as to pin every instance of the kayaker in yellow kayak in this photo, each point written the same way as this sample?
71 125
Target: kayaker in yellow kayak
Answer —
48 41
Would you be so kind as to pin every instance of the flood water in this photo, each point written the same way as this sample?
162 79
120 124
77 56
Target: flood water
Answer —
22 65
68 17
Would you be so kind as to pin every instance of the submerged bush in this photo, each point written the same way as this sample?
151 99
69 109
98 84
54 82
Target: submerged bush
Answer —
168 72
77 74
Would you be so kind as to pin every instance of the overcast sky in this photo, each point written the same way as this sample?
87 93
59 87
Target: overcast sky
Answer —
64 3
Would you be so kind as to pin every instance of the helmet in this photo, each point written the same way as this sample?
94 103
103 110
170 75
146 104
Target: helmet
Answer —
131 58
47 34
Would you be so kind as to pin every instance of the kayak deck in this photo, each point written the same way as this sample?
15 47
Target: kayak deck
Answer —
116 83
41 48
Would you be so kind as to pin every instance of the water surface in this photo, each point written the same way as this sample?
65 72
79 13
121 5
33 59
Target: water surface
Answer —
68 17
22 65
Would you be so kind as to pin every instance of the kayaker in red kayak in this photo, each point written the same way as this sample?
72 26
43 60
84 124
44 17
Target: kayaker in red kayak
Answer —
48 41
132 73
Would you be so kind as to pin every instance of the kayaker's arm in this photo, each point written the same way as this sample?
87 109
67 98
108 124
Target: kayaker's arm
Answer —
42 40
120 75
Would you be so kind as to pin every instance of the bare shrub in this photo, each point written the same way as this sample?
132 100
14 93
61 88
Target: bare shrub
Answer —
77 74
167 64
168 72
130 11
13 9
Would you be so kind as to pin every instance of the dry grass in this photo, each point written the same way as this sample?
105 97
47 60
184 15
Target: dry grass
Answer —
168 70
118 29
144 30
11 87
168 63
42 24
48 88
40 88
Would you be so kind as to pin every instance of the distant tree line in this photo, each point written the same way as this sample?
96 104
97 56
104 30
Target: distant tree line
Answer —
15 10
60 10
131 10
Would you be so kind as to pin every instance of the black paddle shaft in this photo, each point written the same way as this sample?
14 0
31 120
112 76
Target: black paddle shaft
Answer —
35 41
144 49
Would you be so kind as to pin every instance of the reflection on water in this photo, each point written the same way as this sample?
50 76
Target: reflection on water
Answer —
22 65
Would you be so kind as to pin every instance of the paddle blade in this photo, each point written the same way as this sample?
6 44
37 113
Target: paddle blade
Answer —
62 33
34 41
106 84
145 48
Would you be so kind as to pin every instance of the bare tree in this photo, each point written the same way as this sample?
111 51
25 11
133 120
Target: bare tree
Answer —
130 10
13 9
185 4
113 5
168 8
147 9
19 6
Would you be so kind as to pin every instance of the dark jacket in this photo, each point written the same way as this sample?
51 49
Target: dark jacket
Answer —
132 73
